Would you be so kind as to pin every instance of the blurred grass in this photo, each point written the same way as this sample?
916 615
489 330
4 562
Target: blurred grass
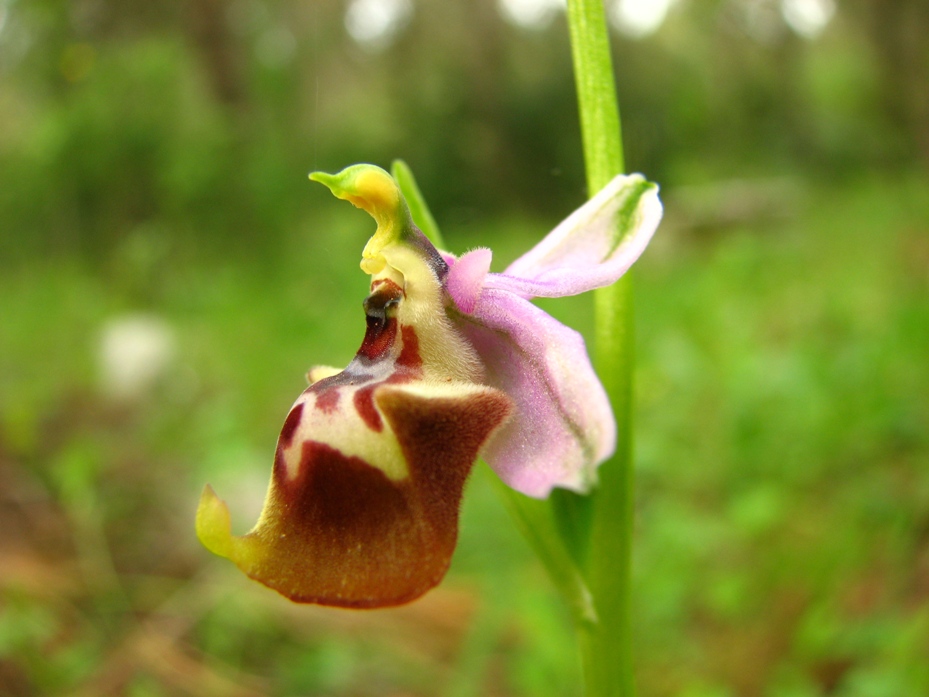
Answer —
152 164
783 459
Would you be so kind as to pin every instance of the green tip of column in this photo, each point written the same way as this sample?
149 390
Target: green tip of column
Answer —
372 189
329 180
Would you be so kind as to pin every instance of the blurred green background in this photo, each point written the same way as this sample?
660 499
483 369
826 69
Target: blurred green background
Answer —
167 276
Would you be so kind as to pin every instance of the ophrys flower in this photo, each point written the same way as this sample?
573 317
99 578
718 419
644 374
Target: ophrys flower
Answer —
362 509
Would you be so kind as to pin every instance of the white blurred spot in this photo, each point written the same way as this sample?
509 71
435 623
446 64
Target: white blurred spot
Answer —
15 36
530 14
375 23
135 351
639 18
808 17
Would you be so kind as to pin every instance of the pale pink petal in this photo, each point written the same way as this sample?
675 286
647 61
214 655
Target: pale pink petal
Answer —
562 426
466 277
592 247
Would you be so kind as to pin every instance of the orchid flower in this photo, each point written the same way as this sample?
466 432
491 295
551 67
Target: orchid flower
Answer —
456 362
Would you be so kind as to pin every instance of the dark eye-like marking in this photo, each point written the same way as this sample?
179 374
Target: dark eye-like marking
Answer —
380 314
377 309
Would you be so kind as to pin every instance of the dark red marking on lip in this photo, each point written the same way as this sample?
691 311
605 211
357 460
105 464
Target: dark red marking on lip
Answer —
340 532
364 405
440 439
348 492
399 378
327 401
290 425
344 534
383 292
280 467
409 355
379 337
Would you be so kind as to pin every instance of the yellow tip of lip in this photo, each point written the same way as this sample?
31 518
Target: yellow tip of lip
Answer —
214 527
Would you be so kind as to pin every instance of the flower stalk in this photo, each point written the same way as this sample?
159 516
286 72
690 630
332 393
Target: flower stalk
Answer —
606 645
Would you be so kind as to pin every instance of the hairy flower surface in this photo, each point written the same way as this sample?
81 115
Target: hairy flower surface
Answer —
362 508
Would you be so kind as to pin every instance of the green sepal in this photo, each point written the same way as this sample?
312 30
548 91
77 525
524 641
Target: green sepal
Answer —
419 209
535 520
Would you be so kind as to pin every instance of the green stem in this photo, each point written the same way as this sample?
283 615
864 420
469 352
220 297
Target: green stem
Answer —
596 92
606 646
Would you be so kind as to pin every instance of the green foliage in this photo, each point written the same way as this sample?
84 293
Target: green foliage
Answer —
782 423
781 450
140 120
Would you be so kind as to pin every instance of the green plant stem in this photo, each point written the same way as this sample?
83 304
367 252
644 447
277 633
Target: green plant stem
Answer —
596 92
606 646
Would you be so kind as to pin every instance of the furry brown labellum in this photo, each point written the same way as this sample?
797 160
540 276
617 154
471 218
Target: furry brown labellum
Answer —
340 531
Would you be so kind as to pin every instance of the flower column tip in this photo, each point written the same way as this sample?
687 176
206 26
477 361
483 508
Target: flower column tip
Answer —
373 190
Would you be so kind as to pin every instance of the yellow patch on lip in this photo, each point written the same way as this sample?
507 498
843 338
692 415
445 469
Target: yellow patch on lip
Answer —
344 430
